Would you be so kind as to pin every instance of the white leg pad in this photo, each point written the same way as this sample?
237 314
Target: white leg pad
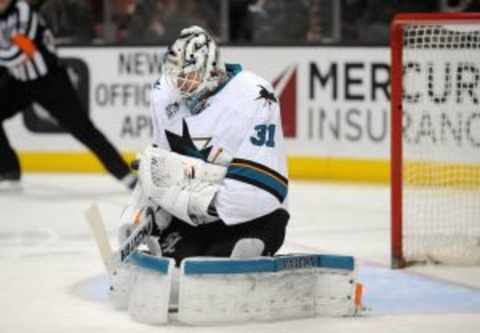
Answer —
214 290
175 288
248 248
121 283
150 292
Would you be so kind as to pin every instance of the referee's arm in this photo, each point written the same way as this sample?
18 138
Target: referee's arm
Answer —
25 24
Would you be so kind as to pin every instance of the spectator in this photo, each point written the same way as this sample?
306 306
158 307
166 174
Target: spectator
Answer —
190 12
159 21
70 20
471 6
240 18
148 23
314 33
122 14
280 20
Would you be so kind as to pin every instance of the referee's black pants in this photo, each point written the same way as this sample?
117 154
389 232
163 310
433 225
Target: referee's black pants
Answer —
57 95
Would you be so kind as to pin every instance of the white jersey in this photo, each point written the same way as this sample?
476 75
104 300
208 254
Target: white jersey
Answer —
240 128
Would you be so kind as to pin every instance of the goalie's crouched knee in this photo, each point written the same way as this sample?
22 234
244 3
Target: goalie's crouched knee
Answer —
248 248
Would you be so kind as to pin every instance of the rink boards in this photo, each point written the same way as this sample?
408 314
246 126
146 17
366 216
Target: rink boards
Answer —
335 108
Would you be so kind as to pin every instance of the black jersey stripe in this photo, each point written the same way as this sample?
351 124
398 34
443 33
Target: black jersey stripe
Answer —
28 27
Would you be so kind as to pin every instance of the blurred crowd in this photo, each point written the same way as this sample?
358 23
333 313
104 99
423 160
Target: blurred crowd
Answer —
233 21
125 21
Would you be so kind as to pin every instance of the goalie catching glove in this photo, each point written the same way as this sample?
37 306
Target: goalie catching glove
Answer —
183 186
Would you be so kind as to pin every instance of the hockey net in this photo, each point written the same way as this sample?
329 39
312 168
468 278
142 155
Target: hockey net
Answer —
435 154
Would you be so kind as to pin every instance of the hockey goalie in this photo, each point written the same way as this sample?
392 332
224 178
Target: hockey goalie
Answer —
211 205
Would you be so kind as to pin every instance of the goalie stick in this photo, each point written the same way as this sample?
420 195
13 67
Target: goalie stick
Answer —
95 221
112 259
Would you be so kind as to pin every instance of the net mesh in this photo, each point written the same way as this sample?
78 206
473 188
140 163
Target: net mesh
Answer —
441 143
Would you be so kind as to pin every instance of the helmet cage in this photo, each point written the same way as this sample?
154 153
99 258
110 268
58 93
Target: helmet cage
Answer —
192 63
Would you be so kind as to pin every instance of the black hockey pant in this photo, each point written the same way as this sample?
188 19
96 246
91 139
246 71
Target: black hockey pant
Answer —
180 240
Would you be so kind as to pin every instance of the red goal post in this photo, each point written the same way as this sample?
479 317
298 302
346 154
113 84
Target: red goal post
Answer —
402 40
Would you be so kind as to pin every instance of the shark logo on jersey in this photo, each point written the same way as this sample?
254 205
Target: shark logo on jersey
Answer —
168 244
157 84
184 144
266 95
172 109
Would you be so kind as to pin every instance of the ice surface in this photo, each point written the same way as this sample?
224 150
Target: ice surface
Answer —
52 279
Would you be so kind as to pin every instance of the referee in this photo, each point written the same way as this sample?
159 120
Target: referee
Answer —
34 74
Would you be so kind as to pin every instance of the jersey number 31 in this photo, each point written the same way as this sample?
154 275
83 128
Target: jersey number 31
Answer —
265 135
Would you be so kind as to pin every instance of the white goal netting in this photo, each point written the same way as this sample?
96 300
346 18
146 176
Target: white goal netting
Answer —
441 143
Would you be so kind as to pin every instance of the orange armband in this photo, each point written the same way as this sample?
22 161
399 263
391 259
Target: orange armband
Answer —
25 44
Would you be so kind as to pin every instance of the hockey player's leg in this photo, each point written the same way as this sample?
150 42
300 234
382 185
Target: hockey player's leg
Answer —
270 229
150 292
248 248
58 96
179 241
261 288
121 282
261 237
9 165
142 282
14 97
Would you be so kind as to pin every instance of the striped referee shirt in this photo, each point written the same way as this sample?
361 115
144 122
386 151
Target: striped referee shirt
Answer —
30 62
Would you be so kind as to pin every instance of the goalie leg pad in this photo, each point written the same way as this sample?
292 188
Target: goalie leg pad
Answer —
173 304
121 281
150 291
216 290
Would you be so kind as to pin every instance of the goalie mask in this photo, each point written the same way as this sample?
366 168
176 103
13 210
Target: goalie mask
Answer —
192 64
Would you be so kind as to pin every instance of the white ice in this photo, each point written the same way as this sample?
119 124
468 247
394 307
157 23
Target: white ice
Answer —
47 256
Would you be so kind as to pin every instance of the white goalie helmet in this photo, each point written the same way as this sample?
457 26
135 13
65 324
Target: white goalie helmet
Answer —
192 64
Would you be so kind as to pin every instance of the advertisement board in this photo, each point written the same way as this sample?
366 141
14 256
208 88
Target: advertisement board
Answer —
335 103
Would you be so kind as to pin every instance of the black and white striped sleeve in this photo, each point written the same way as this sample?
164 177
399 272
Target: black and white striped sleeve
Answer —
11 56
22 21
27 20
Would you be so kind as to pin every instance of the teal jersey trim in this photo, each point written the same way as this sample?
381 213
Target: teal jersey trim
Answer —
260 176
263 180
232 71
